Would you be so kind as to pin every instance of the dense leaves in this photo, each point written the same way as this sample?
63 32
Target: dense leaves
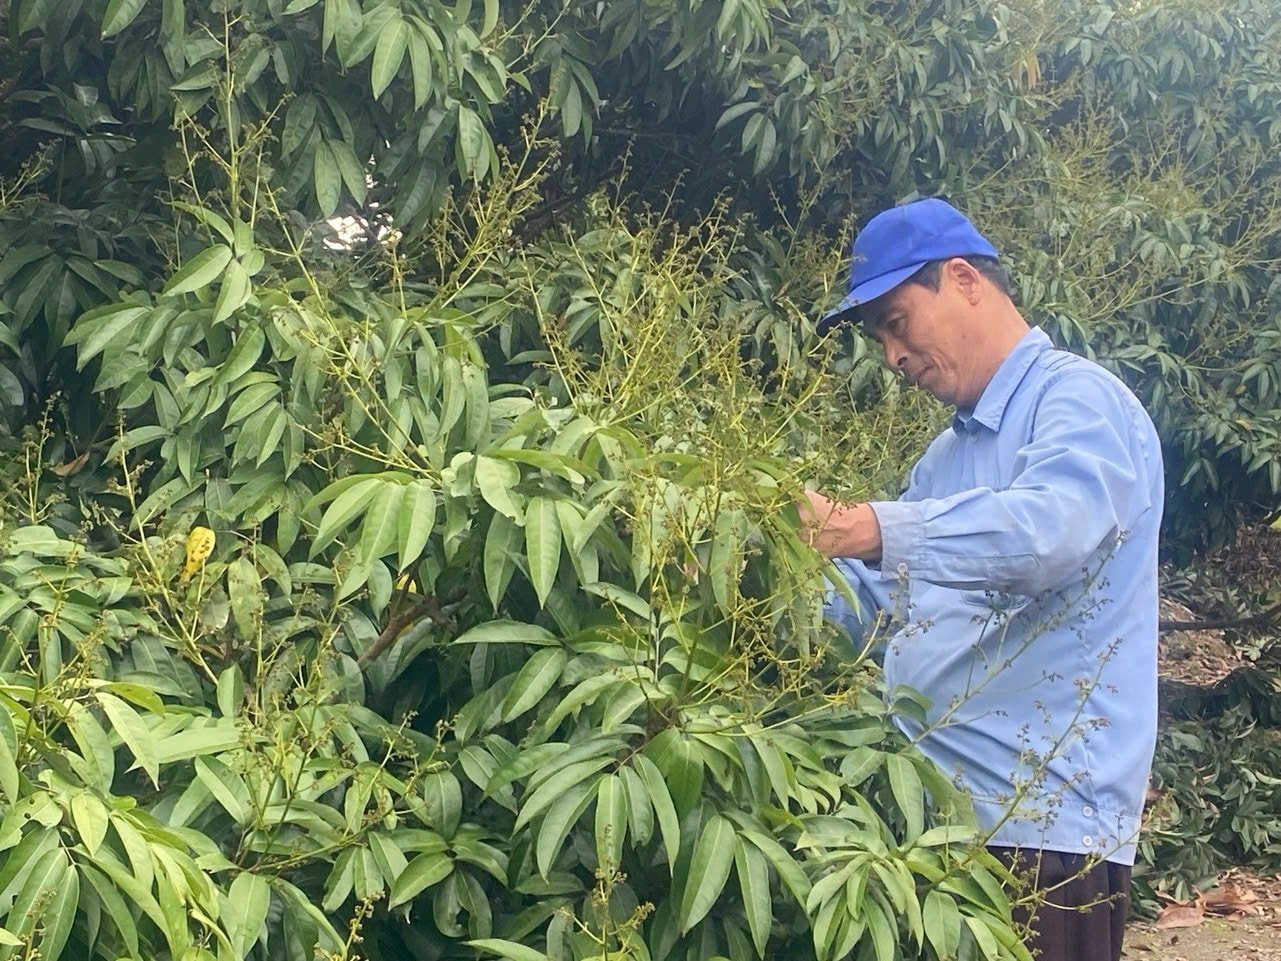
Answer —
1124 158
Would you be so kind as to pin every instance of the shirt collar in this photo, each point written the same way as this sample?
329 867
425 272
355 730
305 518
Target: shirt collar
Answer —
996 396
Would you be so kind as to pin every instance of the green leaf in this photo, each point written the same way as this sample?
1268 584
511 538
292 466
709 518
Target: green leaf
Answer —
502 542
90 818
727 557
378 533
495 479
476 391
202 76
796 67
472 142
860 764
345 507
8 765
208 218
388 54
947 834
942 924
299 121
134 732
753 882
508 949
611 822
346 26
231 690
443 798
765 149
560 820
243 356
490 20
506 632
784 864
708 871
908 793
113 906
47 900
235 290
523 763
245 911
244 587
572 110
119 14
417 517
559 464
984 938
556 787
35 13
752 131
391 860
101 330
421 873
227 787
533 681
211 737
542 544
200 271
94 745
640 811
585 692
420 66
882 929
328 180
682 765
668 823
350 169
484 856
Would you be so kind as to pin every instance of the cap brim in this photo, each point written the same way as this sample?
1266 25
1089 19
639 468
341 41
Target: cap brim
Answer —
864 293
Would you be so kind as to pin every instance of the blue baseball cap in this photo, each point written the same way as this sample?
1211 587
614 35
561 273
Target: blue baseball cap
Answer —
898 242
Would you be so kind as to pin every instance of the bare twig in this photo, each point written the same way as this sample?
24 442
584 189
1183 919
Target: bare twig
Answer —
1262 619
402 616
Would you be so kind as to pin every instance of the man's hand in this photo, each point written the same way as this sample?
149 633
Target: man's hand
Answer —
841 530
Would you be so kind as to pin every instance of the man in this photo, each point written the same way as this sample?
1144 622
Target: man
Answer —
1020 566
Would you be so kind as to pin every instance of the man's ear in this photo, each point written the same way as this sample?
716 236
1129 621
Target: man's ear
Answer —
965 277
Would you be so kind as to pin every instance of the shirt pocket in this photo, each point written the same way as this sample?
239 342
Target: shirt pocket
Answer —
1001 605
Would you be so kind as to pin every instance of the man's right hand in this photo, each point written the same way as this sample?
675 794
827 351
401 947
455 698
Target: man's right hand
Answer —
840 530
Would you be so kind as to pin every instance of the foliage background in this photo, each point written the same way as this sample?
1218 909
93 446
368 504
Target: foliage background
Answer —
556 369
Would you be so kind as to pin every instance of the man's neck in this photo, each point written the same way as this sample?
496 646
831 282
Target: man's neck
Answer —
1001 339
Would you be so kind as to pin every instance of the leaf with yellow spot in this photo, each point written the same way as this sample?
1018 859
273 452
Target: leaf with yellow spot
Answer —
200 544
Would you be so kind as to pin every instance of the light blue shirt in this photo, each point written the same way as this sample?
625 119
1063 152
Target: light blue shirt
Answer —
1019 583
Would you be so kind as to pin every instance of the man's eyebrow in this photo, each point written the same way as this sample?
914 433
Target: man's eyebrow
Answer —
879 317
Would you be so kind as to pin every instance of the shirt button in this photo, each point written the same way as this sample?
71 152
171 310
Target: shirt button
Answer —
1087 841
1088 811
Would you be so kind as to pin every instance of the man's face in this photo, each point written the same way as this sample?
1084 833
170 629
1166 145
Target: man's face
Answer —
926 337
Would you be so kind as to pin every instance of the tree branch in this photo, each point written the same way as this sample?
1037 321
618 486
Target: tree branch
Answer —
402 616
1263 619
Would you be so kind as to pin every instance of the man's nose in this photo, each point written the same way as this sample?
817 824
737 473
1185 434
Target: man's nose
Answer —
895 356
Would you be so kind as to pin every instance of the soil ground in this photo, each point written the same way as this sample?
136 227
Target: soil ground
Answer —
1256 938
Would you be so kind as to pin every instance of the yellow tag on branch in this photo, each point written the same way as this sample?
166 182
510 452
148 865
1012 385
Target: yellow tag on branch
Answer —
200 544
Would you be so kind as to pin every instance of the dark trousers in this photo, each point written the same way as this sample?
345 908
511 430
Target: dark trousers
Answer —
1081 907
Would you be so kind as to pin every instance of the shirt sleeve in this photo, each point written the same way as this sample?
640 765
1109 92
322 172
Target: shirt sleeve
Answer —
1079 481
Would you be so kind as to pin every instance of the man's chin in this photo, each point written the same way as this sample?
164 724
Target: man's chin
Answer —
926 381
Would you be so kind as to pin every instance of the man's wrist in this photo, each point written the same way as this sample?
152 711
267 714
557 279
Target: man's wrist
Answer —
861 534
